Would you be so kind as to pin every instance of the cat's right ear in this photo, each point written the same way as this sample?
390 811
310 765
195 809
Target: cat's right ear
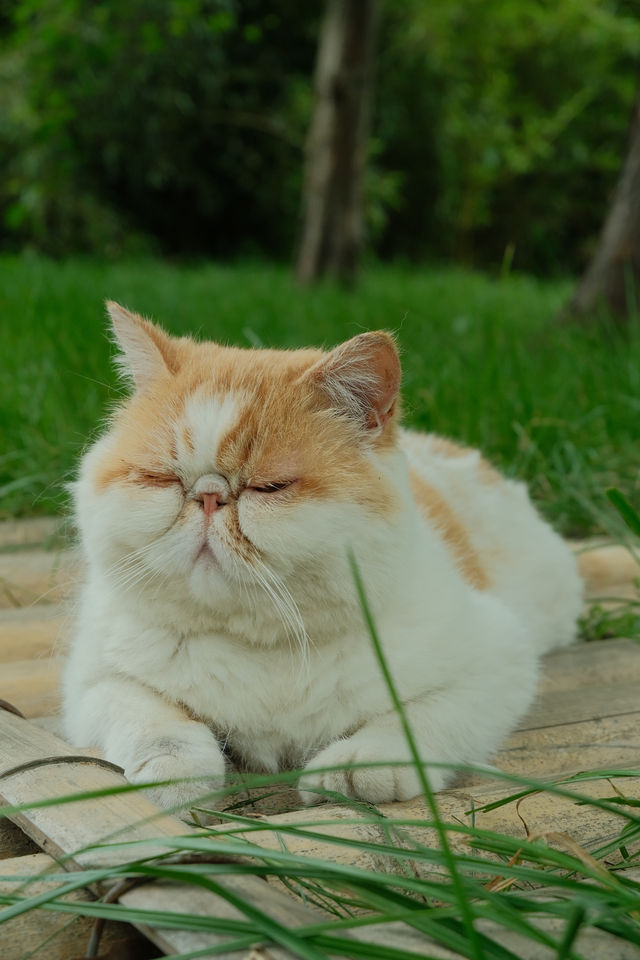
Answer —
147 352
361 380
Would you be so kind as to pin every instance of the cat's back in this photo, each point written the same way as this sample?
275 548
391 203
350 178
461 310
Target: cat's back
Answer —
498 540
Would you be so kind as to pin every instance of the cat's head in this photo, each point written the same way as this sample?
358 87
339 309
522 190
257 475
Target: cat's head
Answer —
227 467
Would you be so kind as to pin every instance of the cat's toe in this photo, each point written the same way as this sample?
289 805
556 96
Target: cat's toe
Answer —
181 774
363 775
177 785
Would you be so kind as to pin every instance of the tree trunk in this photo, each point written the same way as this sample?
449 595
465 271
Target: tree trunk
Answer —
613 277
332 219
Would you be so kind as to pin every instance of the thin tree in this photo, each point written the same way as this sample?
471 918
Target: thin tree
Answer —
613 276
332 232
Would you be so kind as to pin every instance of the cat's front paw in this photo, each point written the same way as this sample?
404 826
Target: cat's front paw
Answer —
374 784
196 764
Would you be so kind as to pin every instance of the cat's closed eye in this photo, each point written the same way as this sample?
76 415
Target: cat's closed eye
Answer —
153 479
273 487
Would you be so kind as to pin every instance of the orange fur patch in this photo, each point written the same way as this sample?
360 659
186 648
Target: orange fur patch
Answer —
447 448
280 436
488 473
145 443
187 438
440 513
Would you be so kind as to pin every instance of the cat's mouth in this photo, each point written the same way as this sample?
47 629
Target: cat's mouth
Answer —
206 556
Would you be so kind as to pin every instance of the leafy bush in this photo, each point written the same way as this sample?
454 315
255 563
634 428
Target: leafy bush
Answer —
176 120
509 121
179 125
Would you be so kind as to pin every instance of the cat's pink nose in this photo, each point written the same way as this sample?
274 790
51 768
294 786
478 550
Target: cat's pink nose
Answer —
210 502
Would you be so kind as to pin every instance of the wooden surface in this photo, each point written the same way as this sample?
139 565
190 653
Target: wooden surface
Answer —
69 834
587 716
58 936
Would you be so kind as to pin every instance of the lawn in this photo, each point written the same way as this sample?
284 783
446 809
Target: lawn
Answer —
484 362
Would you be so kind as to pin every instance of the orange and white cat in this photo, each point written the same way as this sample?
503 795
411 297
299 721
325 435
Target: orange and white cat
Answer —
219 617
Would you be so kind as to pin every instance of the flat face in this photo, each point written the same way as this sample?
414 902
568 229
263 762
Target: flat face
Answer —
228 467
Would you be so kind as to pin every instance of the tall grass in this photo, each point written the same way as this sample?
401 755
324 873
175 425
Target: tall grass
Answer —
483 361
529 888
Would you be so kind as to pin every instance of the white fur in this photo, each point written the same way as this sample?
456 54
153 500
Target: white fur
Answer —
208 419
281 670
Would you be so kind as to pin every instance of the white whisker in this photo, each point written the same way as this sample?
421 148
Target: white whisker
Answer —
284 603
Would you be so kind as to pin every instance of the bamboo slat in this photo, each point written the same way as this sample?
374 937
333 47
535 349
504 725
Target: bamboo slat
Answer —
13 842
66 831
57 936
36 576
32 685
31 632
30 531
607 570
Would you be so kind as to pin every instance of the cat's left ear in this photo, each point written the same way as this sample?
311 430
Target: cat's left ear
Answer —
147 351
361 378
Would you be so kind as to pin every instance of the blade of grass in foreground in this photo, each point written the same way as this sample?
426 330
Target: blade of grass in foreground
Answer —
624 508
466 910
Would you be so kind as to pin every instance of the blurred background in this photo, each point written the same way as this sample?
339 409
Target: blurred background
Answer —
269 172
178 126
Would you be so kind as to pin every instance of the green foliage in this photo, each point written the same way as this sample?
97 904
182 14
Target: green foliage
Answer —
178 125
619 618
624 508
534 890
616 616
513 126
179 121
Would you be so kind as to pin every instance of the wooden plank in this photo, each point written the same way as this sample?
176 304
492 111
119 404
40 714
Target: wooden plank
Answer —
37 576
548 751
13 842
591 664
57 936
576 706
31 632
540 813
31 530
586 682
33 686
66 831
590 943
586 718
59 830
606 568
271 900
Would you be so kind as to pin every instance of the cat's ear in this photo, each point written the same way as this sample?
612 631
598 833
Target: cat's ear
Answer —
361 378
146 351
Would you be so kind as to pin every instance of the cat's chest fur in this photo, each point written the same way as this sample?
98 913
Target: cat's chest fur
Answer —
271 707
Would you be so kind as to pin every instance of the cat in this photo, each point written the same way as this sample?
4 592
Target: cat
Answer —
219 618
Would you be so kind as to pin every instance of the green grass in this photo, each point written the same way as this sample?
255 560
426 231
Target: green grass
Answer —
498 878
483 362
